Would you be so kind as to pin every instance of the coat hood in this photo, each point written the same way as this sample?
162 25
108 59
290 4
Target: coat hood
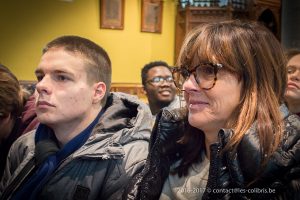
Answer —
126 119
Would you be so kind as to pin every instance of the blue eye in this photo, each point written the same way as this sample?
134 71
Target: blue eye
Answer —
62 78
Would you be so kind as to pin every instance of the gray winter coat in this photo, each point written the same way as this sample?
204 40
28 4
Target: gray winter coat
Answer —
101 168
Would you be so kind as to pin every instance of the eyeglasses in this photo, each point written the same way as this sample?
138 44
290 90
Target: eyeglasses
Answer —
205 75
157 80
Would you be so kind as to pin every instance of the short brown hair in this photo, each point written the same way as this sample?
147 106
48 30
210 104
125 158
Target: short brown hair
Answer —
99 65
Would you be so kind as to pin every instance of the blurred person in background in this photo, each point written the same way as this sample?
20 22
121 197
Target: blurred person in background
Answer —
159 86
11 107
28 117
292 95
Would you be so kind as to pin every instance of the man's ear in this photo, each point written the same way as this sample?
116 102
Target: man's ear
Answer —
144 90
99 92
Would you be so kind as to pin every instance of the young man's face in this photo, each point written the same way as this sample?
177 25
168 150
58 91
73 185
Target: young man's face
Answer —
162 92
64 94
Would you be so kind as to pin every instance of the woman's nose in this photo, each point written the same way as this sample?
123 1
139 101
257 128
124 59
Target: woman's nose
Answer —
190 84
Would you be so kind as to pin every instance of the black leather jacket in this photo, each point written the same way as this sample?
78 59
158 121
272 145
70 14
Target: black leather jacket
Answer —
231 172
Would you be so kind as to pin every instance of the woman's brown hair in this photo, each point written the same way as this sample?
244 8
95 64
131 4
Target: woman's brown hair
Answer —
254 55
11 100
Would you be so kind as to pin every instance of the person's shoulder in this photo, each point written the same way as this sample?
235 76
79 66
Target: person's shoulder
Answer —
129 98
21 150
27 137
25 142
136 112
136 153
123 95
293 121
137 144
291 134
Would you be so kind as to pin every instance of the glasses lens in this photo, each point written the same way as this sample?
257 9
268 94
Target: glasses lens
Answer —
206 75
156 79
169 79
160 80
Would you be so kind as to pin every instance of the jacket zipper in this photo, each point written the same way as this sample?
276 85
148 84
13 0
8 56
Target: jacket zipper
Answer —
24 174
18 180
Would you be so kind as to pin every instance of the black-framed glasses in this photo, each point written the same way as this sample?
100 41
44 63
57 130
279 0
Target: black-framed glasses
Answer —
205 75
157 80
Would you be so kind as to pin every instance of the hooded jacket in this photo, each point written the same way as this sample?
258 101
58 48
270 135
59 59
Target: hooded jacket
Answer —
100 169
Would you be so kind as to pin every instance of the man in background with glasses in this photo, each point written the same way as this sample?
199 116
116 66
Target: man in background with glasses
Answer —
159 86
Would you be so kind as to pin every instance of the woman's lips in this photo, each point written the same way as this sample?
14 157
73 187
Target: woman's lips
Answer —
197 104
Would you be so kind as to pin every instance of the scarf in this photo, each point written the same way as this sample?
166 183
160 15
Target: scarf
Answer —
49 157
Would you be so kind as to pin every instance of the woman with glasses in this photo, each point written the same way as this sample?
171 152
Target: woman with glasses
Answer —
235 139
292 95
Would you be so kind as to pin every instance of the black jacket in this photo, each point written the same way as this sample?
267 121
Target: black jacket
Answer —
230 173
